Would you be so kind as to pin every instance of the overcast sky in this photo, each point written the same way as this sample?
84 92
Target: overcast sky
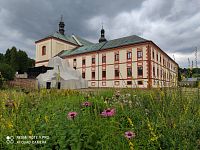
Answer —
174 25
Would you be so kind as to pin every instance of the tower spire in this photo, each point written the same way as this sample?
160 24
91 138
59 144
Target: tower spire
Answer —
62 26
102 38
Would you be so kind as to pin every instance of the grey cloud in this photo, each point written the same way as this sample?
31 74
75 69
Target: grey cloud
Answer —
36 18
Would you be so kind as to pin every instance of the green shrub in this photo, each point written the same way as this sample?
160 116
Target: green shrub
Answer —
7 71
1 81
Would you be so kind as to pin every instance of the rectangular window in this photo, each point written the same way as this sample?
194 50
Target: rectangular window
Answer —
74 59
83 75
160 73
153 54
160 59
117 73
103 59
83 62
103 74
139 54
140 71
153 71
43 50
157 57
140 82
93 60
157 72
116 56
129 72
129 82
93 75
129 55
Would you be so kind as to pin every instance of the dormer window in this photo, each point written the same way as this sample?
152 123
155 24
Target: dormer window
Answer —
43 50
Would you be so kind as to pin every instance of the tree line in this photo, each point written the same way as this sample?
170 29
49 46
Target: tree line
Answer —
14 61
188 73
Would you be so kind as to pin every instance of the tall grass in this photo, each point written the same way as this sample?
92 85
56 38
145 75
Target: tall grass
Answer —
160 119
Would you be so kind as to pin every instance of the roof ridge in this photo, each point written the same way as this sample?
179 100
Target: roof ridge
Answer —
79 43
77 36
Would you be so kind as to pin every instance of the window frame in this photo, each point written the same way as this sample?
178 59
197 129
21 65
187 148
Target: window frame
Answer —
93 74
158 72
129 72
117 73
43 50
154 71
116 56
153 54
129 55
157 57
83 73
103 71
104 59
140 81
129 82
83 60
138 71
93 60
139 54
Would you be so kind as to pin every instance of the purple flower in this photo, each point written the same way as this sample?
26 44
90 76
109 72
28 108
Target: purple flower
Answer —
129 134
108 112
72 115
86 104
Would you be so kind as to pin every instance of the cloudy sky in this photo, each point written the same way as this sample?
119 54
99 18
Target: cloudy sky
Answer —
174 25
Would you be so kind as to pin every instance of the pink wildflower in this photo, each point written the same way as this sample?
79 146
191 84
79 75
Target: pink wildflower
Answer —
86 104
129 134
72 115
108 112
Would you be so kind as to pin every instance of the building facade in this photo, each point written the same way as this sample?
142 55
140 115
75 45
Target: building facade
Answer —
125 62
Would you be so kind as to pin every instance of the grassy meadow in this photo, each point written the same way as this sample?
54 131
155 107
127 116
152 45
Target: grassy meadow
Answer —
105 120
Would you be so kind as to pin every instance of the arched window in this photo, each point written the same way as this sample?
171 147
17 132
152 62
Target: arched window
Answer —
43 50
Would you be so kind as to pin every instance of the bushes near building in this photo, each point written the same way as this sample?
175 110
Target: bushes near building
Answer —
7 71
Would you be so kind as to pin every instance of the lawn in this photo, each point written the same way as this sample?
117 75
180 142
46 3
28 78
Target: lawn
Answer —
106 120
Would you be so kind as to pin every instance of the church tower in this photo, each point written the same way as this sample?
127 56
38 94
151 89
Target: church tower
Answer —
62 26
102 38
